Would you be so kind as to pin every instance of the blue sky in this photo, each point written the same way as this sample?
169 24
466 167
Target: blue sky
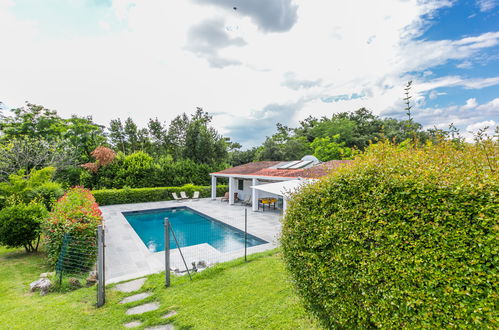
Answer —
269 61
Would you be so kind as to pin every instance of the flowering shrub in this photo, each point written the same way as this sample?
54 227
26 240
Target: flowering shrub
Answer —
77 214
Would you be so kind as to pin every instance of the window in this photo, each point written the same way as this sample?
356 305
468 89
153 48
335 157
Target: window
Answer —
240 184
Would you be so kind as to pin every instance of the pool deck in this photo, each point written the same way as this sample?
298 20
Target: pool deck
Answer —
127 256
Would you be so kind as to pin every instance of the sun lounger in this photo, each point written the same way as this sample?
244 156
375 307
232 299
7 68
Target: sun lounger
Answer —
195 196
175 197
225 198
183 195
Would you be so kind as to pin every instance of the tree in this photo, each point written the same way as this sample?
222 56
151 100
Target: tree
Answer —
159 137
32 121
240 157
131 135
34 137
34 186
326 149
117 135
84 135
35 153
283 145
203 144
176 135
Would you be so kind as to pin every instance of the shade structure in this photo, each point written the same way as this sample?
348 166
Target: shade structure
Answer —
283 188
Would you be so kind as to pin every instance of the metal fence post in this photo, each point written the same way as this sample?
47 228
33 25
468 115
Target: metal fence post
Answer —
101 278
245 232
167 253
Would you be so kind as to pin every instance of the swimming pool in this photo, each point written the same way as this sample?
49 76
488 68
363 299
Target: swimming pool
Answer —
191 228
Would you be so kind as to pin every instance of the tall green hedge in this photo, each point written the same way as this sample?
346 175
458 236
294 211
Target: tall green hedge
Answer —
401 238
140 195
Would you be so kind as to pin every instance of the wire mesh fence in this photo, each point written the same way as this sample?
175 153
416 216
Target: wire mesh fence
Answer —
195 241
81 263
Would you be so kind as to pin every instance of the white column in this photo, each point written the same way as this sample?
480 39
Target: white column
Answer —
213 187
254 195
231 190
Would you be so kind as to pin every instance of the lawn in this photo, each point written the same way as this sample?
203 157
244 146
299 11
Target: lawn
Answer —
233 295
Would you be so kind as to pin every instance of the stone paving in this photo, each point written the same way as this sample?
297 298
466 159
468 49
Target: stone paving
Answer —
143 308
127 257
136 297
131 285
136 285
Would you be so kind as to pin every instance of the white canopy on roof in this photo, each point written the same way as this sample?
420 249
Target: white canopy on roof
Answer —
282 188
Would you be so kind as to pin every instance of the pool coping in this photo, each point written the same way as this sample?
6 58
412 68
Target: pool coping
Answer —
210 218
128 257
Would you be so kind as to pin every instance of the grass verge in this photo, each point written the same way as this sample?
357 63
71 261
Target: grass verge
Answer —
233 295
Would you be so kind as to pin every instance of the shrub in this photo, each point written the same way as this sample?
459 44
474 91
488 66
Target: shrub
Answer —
76 214
401 238
137 171
20 225
139 195
36 186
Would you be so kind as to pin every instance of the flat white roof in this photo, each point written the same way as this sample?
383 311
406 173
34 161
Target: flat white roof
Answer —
283 188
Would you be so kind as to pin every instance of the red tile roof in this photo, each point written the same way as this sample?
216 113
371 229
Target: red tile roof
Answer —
264 169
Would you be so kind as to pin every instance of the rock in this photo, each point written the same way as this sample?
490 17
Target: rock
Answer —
92 278
47 275
131 286
202 264
161 327
74 282
133 324
143 308
136 297
169 314
91 281
43 284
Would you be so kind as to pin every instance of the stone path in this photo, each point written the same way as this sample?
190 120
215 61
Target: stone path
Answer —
136 297
136 285
131 286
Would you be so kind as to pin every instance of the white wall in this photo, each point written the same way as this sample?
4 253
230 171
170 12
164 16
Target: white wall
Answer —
246 192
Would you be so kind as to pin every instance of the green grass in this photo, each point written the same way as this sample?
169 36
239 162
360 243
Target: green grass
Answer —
233 295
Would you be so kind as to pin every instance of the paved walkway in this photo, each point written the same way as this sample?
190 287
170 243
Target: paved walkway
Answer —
128 257
133 286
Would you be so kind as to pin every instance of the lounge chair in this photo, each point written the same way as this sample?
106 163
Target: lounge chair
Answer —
248 201
175 197
225 198
183 195
195 196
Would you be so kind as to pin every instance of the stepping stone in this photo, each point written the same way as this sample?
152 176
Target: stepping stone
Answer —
161 327
170 314
133 324
143 308
131 286
136 297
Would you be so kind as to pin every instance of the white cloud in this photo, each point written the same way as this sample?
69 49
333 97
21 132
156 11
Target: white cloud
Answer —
486 5
470 116
470 104
473 128
465 65
156 66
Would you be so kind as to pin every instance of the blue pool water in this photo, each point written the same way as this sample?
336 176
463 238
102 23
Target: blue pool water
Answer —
191 228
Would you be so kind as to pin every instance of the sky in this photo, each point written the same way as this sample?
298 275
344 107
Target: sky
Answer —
253 63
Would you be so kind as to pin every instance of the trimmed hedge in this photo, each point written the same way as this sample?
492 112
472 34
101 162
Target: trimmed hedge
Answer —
140 195
400 238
